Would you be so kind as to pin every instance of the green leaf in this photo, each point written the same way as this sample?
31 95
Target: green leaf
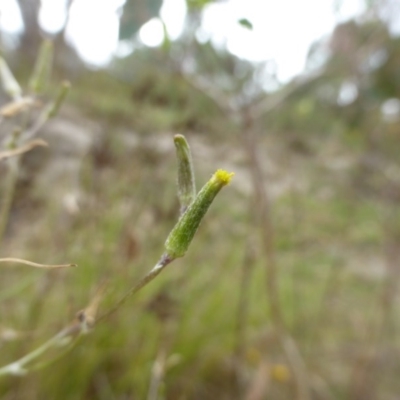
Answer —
246 23
197 4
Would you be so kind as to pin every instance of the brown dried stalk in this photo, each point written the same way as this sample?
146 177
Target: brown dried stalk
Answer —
12 260
23 149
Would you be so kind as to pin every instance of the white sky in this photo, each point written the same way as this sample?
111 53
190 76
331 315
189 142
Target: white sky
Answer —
283 30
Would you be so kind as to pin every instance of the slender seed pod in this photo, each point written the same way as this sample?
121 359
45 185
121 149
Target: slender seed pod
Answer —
186 182
182 234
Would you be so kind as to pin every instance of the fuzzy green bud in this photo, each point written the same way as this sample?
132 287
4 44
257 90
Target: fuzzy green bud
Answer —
186 183
56 105
41 71
10 84
182 234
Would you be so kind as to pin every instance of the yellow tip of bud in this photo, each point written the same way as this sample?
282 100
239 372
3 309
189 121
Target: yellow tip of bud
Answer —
183 232
223 176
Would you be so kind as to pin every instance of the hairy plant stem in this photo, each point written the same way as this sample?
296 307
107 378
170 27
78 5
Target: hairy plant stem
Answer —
162 263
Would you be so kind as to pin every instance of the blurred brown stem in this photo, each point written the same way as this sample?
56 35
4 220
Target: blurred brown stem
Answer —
159 367
262 209
263 213
365 376
247 116
157 374
9 190
243 308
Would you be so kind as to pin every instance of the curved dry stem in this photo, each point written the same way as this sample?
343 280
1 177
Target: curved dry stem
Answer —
12 260
23 149
17 106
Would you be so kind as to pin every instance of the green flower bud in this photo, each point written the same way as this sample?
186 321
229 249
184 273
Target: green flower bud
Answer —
186 184
10 84
41 71
182 234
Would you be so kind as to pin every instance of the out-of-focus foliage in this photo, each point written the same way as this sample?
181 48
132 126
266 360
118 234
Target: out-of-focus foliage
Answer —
189 83
198 4
246 23
360 70
135 14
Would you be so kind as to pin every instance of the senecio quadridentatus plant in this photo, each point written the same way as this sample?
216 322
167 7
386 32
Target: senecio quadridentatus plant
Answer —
193 207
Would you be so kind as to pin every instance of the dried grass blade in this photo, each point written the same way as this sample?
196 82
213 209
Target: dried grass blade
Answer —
23 149
33 264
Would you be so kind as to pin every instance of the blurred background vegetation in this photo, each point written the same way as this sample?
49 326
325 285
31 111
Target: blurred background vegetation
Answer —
290 289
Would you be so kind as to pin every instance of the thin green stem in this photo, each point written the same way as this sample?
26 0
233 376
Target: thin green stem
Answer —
18 367
162 263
